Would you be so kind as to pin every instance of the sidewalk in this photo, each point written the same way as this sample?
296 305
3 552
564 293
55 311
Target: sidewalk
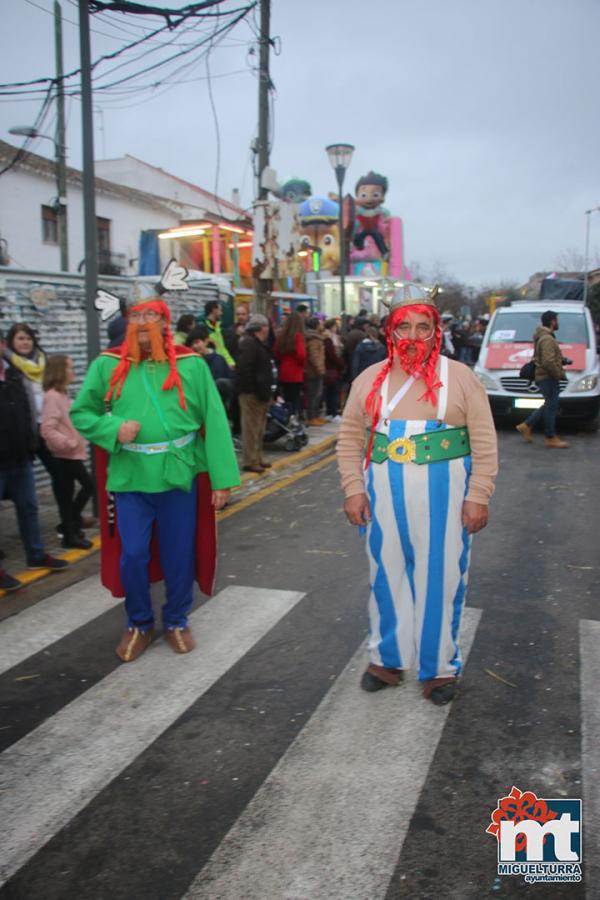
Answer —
320 441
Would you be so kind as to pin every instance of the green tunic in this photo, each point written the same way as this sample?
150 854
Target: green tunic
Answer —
141 399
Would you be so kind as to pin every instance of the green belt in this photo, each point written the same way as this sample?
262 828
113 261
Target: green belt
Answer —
161 446
429 447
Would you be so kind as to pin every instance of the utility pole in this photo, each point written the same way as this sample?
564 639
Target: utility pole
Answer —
588 213
263 286
60 148
264 83
89 198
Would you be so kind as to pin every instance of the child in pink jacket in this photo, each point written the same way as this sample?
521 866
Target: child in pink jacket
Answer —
67 446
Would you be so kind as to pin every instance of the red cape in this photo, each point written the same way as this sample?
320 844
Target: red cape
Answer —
110 556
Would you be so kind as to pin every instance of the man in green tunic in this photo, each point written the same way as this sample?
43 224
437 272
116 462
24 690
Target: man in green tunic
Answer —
154 408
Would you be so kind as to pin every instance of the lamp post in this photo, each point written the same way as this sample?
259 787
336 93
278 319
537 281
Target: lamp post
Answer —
588 213
340 156
61 186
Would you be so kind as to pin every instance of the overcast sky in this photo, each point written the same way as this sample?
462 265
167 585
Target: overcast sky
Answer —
483 114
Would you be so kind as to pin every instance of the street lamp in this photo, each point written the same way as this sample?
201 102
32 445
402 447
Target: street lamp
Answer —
340 156
588 213
61 185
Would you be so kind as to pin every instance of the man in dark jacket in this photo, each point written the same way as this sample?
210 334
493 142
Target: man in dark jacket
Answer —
253 382
549 371
235 332
17 447
369 351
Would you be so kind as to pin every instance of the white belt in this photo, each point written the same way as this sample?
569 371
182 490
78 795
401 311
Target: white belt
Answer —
162 446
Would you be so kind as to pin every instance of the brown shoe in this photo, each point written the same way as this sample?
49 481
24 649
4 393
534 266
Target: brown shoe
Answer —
265 465
315 422
181 640
556 442
258 469
133 643
526 431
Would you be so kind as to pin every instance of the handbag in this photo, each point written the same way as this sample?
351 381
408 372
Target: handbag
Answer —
528 371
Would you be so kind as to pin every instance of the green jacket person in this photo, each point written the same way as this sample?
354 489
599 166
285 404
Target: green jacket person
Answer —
169 464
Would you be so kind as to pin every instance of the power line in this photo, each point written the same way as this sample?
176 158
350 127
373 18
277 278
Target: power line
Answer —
36 126
242 10
70 21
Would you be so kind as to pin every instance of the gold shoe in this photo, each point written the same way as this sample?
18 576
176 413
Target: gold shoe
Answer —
133 643
181 640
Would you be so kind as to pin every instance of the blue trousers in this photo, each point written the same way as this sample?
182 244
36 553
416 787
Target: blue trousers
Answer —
18 485
174 513
549 388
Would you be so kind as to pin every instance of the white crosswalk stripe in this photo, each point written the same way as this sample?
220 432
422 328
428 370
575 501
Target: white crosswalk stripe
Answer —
53 772
337 807
590 751
36 628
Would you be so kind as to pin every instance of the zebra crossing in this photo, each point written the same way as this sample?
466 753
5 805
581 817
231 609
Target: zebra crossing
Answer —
291 800
61 766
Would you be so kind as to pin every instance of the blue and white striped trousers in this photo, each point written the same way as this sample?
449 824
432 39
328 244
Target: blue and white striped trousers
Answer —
419 559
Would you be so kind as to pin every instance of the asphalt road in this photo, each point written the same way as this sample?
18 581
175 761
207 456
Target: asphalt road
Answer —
262 770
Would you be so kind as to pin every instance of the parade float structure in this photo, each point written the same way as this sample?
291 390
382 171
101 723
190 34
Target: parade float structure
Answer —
373 242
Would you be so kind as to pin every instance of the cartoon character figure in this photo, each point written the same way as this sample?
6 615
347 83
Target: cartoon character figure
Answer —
320 231
296 190
370 214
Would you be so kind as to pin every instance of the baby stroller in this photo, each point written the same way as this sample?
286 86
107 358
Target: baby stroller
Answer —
281 423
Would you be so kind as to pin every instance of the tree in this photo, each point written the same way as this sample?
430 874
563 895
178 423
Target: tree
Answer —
572 260
594 302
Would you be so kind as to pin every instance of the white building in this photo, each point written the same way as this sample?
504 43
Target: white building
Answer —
138 198
132 172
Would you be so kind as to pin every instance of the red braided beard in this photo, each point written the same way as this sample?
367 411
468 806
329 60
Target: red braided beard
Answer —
412 354
420 364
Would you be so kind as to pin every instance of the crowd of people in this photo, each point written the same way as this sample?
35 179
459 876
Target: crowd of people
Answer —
303 363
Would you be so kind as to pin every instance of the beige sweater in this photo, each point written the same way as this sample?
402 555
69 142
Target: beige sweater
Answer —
467 405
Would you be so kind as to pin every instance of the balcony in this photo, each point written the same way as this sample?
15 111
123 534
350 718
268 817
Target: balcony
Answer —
112 263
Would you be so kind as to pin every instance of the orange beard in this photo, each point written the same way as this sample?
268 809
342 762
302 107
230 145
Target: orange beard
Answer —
155 350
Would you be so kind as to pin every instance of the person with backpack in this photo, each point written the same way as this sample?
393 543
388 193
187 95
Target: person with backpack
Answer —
549 370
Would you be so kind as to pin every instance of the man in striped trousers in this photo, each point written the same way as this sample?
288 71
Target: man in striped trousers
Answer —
417 456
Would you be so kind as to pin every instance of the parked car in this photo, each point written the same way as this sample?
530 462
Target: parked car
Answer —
508 344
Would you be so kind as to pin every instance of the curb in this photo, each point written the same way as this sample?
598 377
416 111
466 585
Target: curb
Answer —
29 576
249 479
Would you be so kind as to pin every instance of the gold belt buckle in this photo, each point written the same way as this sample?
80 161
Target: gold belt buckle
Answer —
401 450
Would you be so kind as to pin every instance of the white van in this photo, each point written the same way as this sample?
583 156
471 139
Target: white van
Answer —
508 344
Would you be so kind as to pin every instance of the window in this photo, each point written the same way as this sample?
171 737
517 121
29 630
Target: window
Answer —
103 230
49 225
518 327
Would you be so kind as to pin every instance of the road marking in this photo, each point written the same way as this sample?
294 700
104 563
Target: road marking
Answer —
589 638
60 614
271 489
330 820
53 772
